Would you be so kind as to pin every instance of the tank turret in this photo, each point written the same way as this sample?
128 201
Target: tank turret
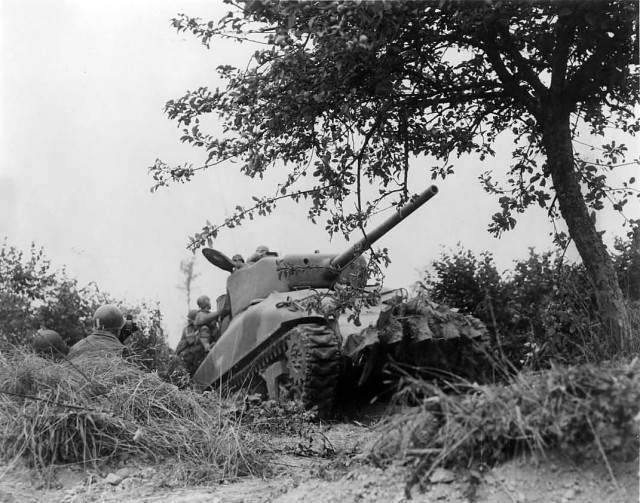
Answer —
270 274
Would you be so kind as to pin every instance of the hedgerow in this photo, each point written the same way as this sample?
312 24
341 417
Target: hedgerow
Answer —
543 310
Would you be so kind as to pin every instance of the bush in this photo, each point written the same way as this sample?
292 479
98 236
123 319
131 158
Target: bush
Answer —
33 295
542 311
471 284
25 282
148 347
627 262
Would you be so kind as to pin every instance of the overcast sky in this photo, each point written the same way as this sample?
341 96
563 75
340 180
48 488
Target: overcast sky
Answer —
82 86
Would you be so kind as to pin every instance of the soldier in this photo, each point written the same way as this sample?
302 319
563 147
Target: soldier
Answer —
206 322
49 343
261 251
238 261
190 349
107 321
129 329
199 334
188 332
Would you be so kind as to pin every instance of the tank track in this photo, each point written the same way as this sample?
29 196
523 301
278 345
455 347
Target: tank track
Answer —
314 358
313 355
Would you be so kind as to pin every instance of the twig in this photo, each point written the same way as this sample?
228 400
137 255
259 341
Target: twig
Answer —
418 452
604 457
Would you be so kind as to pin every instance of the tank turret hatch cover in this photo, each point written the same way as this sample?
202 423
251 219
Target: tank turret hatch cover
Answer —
218 259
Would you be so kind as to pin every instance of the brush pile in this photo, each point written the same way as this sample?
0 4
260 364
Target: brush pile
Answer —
103 409
574 409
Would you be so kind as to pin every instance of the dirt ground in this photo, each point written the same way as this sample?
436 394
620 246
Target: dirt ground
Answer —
309 476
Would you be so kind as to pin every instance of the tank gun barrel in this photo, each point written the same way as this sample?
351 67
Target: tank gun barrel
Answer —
357 249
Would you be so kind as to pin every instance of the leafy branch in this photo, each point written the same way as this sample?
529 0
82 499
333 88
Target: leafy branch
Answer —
263 206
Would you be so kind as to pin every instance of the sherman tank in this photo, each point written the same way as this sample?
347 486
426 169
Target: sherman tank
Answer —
275 337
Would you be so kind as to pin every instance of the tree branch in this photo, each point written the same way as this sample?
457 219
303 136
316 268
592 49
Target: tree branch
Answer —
509 81
565 29
524 66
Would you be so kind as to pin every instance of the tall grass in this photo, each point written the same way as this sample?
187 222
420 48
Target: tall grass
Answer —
575 409
101 409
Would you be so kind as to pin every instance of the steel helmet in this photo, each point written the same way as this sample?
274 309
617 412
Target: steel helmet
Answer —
204 302
191 316
108 317
49 341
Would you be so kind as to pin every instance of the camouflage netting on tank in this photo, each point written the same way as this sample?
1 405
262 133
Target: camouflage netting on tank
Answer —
415 321
415 337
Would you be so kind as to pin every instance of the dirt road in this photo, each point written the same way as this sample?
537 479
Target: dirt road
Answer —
332 471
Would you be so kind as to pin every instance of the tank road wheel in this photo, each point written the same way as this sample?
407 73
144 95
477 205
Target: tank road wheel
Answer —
313 361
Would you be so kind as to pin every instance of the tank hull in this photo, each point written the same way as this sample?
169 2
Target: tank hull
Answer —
279 346
251 332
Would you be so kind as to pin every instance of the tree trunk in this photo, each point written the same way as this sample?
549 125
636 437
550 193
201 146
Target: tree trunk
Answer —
599 266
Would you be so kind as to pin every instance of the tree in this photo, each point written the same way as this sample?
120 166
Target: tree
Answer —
189 275
349 92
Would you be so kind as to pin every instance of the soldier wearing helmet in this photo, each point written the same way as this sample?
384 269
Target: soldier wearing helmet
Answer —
261 251
206 322
49 343
190 349
188 332
238 261
108 320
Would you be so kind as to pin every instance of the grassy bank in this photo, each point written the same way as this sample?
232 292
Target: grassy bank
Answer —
101 410
105 410
579 410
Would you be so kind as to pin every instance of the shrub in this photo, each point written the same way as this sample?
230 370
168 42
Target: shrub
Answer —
25 281
554 305
33 295
470 284
626 261
542 311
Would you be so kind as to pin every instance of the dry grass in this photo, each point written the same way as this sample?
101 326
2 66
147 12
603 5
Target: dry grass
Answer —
103 409
575 409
